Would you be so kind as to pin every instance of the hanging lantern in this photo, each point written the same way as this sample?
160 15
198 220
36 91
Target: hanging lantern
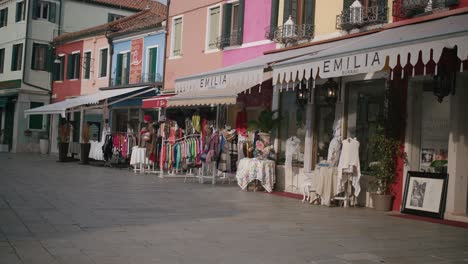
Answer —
355 13
302 94
331 90
445 80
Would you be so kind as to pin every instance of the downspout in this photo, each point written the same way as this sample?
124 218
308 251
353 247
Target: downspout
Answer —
111 55
165 43
25 55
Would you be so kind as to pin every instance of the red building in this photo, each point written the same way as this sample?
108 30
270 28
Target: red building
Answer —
67 71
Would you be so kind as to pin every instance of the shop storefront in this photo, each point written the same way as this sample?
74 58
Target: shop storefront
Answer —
411 86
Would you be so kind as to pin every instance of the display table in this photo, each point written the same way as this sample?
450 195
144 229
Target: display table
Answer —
324 183
138 159
249 170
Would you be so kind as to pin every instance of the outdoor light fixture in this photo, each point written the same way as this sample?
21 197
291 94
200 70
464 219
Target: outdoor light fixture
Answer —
444 83
57 61
302 94
331 89
355 14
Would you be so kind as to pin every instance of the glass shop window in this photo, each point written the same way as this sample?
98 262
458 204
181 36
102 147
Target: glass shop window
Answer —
293 117
365 102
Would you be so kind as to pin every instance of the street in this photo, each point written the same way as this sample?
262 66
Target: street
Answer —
67 213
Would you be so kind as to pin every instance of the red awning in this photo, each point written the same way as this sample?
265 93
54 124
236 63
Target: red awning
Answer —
157 101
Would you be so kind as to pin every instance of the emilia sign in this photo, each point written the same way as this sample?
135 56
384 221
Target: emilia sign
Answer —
361 63
213 82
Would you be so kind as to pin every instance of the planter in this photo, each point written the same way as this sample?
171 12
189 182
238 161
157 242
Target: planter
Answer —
84 153
265 137
44 146
63 151
382 202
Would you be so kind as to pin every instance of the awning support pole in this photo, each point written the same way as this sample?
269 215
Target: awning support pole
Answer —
81 123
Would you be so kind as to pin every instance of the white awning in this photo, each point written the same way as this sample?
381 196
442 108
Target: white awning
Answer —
370 53
245 75
91 99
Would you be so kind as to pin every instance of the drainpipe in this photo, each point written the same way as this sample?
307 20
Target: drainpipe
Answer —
25 55
165 43
111 55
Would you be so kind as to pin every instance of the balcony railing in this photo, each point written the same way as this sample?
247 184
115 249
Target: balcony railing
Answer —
234 39
411 8
356 17
144 79
288 34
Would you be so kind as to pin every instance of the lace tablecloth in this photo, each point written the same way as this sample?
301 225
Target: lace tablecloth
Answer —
254 169
138 156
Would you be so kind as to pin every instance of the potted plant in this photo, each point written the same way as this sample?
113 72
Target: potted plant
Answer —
44 142
265 124
63 141
386 152
85 145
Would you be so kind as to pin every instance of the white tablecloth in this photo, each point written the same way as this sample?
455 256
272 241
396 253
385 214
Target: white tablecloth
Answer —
255 169
138 156
324 183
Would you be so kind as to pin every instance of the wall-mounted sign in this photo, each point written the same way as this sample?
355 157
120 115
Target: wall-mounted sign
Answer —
136 60
213 82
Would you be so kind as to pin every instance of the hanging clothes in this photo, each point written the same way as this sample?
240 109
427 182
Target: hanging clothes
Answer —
350 165
241 122
196 123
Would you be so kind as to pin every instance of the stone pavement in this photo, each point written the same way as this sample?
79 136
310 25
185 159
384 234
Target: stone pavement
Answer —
66 213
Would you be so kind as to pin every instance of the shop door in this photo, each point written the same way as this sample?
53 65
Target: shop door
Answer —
9 123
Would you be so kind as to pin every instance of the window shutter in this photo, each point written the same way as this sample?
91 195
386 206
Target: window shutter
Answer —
226 30
14 57
34 8
78 70
287 11
18 11
103 63
70 66
87 72
274 17
309 12
240 27
118 74
5 11
152 65
53 12
34 54
127 75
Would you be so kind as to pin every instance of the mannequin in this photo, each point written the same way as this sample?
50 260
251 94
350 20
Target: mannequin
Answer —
334 149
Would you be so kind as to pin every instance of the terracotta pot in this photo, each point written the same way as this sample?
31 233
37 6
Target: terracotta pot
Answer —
63 152
382 202
84 153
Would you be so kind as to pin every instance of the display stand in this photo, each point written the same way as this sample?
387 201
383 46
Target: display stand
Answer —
349 198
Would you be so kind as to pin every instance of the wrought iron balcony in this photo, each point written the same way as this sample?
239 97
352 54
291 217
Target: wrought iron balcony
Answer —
288 34
411 8
356 17
144 79
234 39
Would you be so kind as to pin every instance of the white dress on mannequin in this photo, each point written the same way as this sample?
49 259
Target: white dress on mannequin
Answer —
349 164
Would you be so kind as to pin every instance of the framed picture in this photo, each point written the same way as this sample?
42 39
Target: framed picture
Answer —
425 194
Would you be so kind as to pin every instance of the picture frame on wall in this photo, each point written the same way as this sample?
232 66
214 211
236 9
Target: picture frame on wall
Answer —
425 194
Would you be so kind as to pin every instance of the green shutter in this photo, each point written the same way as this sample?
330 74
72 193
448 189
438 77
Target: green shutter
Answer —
70 66
34 9
382 5
14 57
347 3
33 59
226 31
118 69
36 121
309 12
240 23
127 75
103 63
87 57
18 11
53 12
274 17
152 65
77 57
287 10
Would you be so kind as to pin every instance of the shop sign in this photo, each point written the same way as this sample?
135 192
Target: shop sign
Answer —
213 82
161 103
350 65
136 60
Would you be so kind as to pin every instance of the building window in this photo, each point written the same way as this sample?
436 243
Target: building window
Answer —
213 27
103 63
3 17
45 10
40 58
87 65
152 64
177 37
20 11
112 17
123 69
73 66
233 24
2 60
58 69
36 121
17 57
